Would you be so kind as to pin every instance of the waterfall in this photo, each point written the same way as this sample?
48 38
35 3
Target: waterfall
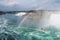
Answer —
11 26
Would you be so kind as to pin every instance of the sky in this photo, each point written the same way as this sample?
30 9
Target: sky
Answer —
21 5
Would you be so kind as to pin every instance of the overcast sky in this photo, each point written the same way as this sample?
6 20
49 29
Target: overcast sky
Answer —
10 5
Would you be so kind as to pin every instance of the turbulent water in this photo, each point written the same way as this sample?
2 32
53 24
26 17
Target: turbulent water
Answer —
14 27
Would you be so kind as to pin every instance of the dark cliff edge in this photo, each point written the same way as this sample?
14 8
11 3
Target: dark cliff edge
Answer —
14 12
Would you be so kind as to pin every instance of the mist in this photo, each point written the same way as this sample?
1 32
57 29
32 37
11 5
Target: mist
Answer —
43 19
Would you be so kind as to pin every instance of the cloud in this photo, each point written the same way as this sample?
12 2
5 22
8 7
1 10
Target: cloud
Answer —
51 5
29 4
8 3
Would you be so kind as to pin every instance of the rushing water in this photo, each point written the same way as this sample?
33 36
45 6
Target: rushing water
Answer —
9 30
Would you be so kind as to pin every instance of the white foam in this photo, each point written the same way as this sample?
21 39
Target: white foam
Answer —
20 14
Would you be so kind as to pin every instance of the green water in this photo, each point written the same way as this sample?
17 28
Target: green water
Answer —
25 33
